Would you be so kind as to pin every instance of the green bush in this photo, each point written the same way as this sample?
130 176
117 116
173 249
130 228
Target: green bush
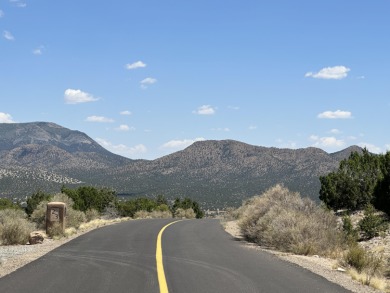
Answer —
6 203
88 197
351 234
34 200
372 224
14 227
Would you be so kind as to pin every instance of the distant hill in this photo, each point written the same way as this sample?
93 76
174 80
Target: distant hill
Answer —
216 173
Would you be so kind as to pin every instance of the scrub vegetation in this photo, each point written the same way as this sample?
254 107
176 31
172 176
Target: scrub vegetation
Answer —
354 209
86 207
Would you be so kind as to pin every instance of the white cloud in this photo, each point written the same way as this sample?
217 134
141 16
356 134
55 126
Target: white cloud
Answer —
387 147
234 108
39 50
225 129
336 72
124 127
326 142
6 118
204 110
180 144
335 115
19 3
128 113
371 148
7 35
72 96
1 13
134 152
101 119
147 81
335 131
135 65
252 127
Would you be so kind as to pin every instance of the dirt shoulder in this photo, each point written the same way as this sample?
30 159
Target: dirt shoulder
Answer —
324 267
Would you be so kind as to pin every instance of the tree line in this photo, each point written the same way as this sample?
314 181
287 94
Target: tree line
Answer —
101 199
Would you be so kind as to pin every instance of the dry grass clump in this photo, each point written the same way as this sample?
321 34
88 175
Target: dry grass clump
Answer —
283 220
74 218
55 231
365 266
153 215
14 227
92 214
185 213
379 283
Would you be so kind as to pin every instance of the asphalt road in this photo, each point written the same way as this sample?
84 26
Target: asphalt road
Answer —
198 256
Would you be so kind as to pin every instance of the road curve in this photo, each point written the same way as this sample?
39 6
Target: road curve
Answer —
198 256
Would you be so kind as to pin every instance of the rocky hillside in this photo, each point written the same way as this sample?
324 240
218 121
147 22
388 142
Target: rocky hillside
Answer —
216 173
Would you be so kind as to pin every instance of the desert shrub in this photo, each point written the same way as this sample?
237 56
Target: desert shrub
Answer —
283 220
142 215
367 263
231 214
372 224
91 214
6 203
152 215
62 197
38 216
161 214
351 234
185 213
74 218
186 204
356 257
14 227
110 212
55 230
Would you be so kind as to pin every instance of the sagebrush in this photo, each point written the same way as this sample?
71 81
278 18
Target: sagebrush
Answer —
283 220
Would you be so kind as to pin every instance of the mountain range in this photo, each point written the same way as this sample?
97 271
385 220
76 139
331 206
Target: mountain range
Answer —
45 156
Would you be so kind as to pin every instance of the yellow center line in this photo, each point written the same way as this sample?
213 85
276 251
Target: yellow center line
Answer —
162 282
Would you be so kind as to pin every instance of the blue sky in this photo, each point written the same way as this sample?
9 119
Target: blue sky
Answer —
147 78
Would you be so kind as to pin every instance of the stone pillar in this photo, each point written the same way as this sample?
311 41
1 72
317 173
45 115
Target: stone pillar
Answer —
55 214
